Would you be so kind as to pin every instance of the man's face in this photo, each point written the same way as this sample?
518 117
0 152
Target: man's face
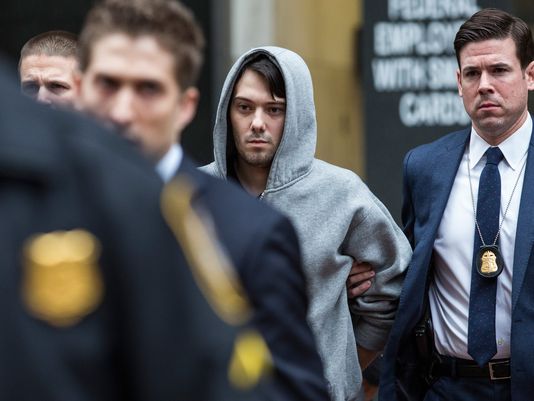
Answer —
49 79
257 120
494 88
130 83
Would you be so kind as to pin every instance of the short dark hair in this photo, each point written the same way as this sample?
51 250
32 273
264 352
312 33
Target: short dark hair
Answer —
268 69
51 43
491 23
171 24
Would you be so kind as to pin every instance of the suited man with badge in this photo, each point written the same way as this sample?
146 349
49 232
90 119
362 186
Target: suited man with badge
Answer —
465 322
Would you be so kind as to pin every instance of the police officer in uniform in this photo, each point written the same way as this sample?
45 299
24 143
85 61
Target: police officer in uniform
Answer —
97 301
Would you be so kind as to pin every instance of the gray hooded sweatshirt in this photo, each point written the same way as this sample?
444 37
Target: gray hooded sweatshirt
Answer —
338 220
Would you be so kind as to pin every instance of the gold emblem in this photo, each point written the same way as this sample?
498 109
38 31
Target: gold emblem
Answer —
212 269
251 361
489 262
217 278
62 281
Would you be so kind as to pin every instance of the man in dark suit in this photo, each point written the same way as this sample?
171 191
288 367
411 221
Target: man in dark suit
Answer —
468 214
96 299
140 61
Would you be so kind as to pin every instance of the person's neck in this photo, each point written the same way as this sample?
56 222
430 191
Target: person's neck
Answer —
252 178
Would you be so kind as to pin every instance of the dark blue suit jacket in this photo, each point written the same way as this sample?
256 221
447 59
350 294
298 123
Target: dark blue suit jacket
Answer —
264 248
429 173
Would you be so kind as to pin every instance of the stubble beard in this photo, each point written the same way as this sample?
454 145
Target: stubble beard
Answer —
496 127
256 159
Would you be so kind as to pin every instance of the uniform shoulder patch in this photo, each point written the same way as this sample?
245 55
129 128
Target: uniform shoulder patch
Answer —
62 282
251 361
212 268
218 280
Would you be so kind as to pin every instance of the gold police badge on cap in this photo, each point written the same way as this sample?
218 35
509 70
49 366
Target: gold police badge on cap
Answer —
62 281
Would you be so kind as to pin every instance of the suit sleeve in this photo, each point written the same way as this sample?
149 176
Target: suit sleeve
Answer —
278 294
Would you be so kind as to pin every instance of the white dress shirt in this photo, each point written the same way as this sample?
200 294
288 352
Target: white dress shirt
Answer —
453 247
169 164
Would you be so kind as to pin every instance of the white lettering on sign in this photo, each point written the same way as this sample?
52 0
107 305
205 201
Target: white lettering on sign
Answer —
441 72
410 73
410 38
412 10
399 74
429 109
414 56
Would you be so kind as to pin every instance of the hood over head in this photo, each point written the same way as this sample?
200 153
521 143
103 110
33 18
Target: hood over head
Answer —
296 151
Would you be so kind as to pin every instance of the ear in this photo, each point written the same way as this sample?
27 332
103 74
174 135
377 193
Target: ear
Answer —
459 82
187 109
529 76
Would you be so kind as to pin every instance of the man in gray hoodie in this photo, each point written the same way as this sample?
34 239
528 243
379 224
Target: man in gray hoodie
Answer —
264 137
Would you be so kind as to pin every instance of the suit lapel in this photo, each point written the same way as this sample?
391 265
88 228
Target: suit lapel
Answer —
445 167
524 236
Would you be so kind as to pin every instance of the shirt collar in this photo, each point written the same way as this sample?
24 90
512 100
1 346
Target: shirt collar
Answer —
513 148
170 162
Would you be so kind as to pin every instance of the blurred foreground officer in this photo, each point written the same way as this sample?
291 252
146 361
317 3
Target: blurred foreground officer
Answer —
140 60
97 299
47 66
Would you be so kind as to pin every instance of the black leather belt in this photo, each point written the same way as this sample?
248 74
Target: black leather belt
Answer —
497 369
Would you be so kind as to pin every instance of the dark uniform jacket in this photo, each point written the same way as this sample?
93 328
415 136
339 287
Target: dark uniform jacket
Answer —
96 299
264 248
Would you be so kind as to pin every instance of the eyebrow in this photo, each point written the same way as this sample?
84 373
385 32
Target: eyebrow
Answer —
283 101
499 64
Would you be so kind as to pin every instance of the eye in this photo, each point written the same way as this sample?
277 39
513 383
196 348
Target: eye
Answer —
500 70
106 84
242 107
276 110
149 88
58 87
471 73
30 88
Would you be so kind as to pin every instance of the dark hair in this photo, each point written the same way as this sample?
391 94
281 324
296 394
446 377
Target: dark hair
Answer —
171 24
267 68
51 43
491 23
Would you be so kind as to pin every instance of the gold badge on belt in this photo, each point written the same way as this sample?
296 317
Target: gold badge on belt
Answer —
62 281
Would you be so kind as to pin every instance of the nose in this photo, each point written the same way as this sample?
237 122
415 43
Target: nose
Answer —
44 95
121 110
485 84
258 122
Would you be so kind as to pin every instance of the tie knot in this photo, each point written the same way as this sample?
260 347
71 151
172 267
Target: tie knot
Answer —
494 156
